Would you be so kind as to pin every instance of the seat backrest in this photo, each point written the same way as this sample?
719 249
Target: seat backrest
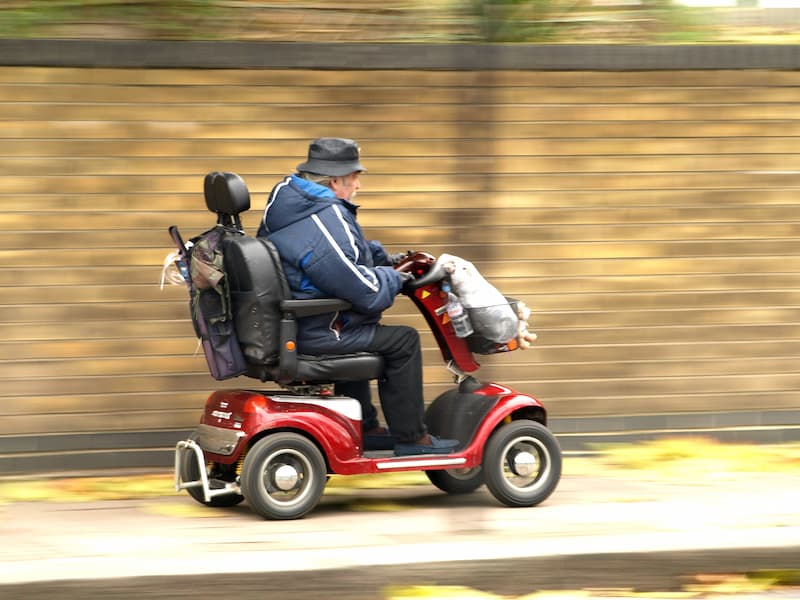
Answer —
257 286
227 196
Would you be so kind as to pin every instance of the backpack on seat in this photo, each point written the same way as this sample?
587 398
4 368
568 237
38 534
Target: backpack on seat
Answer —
203 268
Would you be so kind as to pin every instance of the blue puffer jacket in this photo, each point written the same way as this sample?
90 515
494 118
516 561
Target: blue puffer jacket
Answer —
325 255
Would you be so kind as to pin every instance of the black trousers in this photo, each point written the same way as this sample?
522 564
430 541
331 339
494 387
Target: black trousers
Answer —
400 388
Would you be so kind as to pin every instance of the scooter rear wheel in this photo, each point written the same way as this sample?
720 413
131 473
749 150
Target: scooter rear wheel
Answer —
457 481
283 476
522 463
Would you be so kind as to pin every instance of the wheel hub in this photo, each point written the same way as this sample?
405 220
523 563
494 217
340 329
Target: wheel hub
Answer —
524 464
286 477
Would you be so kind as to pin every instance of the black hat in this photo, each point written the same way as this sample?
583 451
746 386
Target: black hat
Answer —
333 157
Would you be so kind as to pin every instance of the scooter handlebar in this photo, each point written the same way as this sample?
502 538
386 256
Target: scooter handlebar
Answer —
435 274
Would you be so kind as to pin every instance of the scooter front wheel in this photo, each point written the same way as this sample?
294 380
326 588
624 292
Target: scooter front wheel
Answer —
283 476
522 463
457 481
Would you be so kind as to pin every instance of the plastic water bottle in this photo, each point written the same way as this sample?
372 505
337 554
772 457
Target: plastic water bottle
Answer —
458 316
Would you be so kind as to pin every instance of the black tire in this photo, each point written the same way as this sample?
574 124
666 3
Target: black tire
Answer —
457 481
289 494
522 463
190 472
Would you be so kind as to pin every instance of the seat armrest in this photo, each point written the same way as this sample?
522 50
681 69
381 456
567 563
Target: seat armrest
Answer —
287 352
293 310
316 306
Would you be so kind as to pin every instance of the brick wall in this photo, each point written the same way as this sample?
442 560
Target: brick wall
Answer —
648 217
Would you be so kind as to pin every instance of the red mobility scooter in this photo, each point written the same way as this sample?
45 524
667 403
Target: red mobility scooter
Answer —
276 448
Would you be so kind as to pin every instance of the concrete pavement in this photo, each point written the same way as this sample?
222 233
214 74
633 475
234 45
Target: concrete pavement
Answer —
588 517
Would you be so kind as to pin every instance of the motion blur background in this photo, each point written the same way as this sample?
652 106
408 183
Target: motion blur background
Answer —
627 168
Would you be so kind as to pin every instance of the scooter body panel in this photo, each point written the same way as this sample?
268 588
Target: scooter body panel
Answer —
334 424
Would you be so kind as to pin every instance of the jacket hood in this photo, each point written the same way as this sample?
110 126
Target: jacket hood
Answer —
295 199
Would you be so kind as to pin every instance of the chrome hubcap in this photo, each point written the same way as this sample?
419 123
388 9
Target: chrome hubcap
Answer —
525 464
286 477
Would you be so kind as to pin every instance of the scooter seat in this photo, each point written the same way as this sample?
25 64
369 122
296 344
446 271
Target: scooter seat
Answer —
266 321
326 369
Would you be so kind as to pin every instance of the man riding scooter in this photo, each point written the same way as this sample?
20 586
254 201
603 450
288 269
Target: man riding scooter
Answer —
276 448
311 220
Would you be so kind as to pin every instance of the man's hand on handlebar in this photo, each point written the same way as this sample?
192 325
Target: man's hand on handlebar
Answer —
406 278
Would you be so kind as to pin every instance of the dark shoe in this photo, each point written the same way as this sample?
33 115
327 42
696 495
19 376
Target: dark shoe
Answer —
378 438
436 446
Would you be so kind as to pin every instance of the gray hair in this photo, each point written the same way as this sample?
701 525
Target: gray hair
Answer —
320 179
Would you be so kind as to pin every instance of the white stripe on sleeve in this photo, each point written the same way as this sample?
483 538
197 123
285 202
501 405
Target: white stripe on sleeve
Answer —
371 284
347 230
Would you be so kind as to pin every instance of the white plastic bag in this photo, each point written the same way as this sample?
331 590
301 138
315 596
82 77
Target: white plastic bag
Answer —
170 273
492 316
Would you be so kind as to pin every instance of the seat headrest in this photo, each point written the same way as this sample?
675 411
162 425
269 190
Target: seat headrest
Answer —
226 193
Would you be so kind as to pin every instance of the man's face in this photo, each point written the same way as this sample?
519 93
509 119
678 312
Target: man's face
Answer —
346 186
